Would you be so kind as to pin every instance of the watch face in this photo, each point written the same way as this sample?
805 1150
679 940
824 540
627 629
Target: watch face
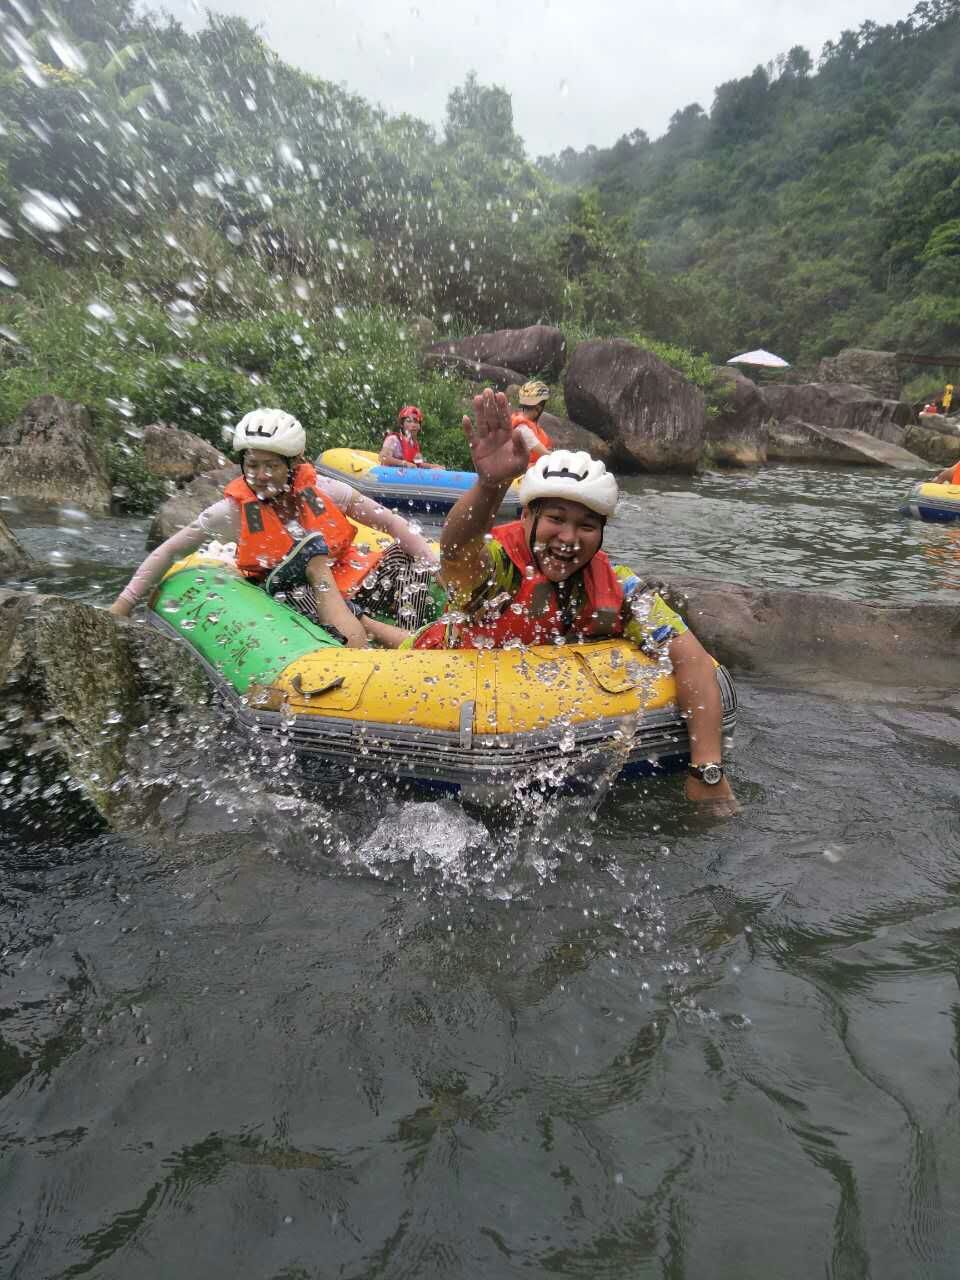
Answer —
712 773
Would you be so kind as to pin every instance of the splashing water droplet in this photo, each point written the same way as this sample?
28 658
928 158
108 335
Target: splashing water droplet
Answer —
7 277
234 234
45 212
100 311
71 58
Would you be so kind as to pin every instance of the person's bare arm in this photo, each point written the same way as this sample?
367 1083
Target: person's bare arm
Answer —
389 457
213 522
499 456
698 696
944 477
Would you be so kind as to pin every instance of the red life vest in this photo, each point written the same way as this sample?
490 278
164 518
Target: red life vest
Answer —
264 540
532 615
545 443
409 449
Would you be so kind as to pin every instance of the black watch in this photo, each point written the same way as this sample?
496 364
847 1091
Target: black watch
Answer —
708 773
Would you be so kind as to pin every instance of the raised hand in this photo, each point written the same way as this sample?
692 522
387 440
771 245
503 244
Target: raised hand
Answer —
499 453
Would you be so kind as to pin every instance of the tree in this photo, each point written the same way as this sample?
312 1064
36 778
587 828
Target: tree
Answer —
482 114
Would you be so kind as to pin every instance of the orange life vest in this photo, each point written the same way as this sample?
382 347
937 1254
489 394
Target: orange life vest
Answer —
545 443
955 474
264 540
532 615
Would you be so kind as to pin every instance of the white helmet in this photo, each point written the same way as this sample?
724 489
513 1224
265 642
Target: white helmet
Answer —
271 430
575 477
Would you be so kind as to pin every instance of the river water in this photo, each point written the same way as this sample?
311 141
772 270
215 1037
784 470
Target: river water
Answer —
299 1035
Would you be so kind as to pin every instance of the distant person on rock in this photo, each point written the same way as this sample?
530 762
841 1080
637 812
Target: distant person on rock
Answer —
533 397
293 538
401 446
543 579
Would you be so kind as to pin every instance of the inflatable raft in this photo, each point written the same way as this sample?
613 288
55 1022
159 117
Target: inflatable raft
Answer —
403 488
461 720
937 503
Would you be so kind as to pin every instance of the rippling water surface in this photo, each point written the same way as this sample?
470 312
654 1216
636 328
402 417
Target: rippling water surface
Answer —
312 1032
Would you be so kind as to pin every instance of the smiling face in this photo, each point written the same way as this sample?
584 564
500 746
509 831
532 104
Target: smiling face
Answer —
267 474
568 536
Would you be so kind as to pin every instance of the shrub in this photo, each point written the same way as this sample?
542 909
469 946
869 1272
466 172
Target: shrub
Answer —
135 490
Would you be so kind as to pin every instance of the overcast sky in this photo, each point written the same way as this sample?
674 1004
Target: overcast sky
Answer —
579 71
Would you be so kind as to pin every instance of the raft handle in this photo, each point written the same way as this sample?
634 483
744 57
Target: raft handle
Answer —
297 684
467 711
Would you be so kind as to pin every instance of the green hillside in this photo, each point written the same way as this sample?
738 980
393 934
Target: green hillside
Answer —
808 210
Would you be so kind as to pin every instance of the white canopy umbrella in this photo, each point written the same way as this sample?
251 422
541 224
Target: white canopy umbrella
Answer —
762 359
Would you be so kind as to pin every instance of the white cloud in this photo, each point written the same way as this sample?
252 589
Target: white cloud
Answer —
579 71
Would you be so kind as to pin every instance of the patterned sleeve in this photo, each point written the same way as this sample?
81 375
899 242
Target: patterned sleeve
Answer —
502 579
652 623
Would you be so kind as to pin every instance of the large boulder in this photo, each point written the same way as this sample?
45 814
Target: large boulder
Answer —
567 435
737 435
652 418
470 370
48 453
536 349
937 447
78 689
792 440
13 558
839 405
795 633
183 507
876 370
170 453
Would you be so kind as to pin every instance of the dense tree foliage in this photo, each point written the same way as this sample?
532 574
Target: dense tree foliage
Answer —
201 179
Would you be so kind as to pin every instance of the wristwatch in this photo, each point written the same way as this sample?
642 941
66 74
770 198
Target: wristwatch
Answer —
708 773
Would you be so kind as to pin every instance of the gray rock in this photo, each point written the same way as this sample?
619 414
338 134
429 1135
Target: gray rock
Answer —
49 453
78 689
937 447
652 418
567 435
183 507
170 453
470 370
538 349
421 330
13 558
737 435
800 635
839 405
796 441
876 370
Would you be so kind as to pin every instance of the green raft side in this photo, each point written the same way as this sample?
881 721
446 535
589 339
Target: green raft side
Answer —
240 631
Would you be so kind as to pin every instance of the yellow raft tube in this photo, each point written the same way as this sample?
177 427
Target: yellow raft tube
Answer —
466 720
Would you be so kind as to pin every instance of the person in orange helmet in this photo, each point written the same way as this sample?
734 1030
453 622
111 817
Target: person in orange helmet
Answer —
401 446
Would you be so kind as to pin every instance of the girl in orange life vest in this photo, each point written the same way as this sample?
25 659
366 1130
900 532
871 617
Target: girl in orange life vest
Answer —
401 447
950 475
291 532
533 396
568 585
